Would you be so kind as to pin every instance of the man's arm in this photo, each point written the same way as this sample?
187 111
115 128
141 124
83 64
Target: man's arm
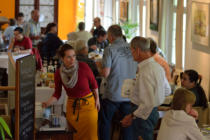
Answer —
105 72
11 45
106 63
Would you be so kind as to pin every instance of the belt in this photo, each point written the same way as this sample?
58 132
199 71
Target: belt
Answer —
76 102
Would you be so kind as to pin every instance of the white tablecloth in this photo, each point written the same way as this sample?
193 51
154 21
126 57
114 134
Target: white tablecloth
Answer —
4 59
44 93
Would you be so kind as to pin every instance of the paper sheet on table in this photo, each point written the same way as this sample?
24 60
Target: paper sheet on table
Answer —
127 88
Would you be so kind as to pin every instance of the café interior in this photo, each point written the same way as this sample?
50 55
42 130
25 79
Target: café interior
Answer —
35 99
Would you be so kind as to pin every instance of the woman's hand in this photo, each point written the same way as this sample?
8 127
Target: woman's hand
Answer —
97 104
49 102
193 113
44 105
127 120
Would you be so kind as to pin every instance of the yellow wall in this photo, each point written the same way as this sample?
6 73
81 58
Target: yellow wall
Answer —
66 17
7 8
66 14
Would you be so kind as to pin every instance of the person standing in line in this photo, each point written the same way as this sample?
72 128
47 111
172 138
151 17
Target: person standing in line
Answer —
117 65
149 91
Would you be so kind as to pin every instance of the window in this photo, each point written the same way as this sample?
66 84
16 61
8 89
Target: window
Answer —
117 11
184 33
48 10
183 17
144 21
88 14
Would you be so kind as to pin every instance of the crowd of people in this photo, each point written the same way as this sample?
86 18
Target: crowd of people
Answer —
92 115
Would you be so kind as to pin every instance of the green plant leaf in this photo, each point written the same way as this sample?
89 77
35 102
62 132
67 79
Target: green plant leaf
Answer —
2 133
129 28
4 125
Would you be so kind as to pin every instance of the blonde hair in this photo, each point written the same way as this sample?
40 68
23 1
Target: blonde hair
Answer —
181 98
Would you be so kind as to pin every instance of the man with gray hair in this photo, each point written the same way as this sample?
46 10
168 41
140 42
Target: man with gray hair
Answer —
33 29
117 65
149 91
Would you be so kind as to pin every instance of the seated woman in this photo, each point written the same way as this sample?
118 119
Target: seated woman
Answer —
51 42
179 122
190 80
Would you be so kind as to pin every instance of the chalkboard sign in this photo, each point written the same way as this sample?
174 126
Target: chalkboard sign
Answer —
25 98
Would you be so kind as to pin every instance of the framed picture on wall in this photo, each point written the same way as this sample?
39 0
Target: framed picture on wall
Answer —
200 23
123 10
154 14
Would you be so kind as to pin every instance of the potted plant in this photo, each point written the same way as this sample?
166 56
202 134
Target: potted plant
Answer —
4 128
129 29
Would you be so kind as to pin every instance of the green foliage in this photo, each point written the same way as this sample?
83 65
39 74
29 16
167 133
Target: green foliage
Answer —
129 29
4 127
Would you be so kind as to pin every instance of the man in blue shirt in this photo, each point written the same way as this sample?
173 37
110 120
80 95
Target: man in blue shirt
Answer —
117 65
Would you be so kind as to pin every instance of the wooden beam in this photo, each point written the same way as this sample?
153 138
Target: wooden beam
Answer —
2 88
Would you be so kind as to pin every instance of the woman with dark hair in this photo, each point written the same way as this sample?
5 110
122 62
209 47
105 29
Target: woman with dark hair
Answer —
51 42
191 80
82 90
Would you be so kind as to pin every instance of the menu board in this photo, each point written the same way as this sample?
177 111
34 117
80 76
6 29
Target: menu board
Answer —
25 97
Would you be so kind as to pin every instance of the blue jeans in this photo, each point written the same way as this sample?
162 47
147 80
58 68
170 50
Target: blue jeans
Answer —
145 128
106 114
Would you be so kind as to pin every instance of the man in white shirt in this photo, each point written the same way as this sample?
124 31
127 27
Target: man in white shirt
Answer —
149 91
82 34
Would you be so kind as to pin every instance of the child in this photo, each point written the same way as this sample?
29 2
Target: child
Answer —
179 122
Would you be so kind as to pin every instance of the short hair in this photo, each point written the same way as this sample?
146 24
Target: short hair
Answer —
141 42
153 46
12 22
49 27
115 30
32 12
81 26
97 18
63 49
80 45
20 15
101 33
181 98
19 29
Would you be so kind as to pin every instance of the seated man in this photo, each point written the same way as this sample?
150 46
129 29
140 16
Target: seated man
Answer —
98 43
20 42
82 55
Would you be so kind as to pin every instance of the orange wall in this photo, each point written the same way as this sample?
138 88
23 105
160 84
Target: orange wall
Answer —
66 17
7 8
66 14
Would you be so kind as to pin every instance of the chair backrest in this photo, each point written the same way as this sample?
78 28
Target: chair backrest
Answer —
203 115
